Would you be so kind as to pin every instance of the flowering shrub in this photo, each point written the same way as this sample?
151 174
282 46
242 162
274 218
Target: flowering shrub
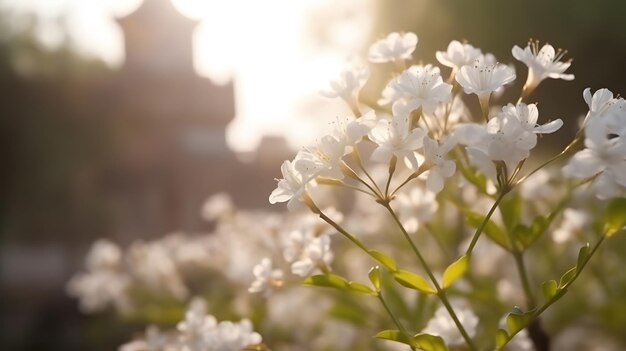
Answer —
428 211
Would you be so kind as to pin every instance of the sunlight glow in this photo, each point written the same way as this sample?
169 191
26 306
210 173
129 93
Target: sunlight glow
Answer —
279 53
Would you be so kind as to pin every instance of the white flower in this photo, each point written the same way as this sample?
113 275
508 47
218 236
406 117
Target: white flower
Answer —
291 187
601 103
417 87
394 47
440 168
458 55
509 136
350 130
394 138
542 64
104 255
527 116
201 332
454 112
266 278
604 156
323 159
483 78
442 325
418 206
348 85
316 255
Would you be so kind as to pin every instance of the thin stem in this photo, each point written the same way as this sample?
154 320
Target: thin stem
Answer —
357 158
554 158
482 226
440 292
407 180
562 290
343 232
353 175
521 269
392 170
395 319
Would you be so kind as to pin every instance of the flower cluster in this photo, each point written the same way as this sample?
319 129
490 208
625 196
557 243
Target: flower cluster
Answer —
439 200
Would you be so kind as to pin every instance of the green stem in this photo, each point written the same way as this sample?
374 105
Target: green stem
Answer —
482 226
521 269
561 290
357 158
395 319
440 292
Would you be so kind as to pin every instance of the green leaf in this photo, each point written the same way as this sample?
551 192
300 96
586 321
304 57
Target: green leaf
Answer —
455 271
474 177
526 236
493 231
383 259
429 342
328 280
502 338
583 254
517 320
413 281
615 216
567 277
510 209
549 289
374 275
396 335
361 288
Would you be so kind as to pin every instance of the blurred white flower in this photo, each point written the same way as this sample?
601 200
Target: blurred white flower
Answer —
394 47
316 255
442 324
542 63
217 206
417 87
154 340
574 221
458 55
201 332
604 156
348 85
394 138
105 283
601 103
416 206
266 278
152 264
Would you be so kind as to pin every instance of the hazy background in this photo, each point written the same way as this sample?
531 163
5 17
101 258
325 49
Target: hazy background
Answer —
118 120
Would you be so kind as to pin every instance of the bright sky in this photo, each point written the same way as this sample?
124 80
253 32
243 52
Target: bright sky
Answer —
298 45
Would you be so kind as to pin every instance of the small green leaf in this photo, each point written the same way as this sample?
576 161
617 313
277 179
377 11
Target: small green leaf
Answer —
526 236
383 259
413 281
362 288
327 280
615 216
396 335
502 338
374 275
549 289
493 231
455 271
583 254
517 320
510 209
428 342
567 277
